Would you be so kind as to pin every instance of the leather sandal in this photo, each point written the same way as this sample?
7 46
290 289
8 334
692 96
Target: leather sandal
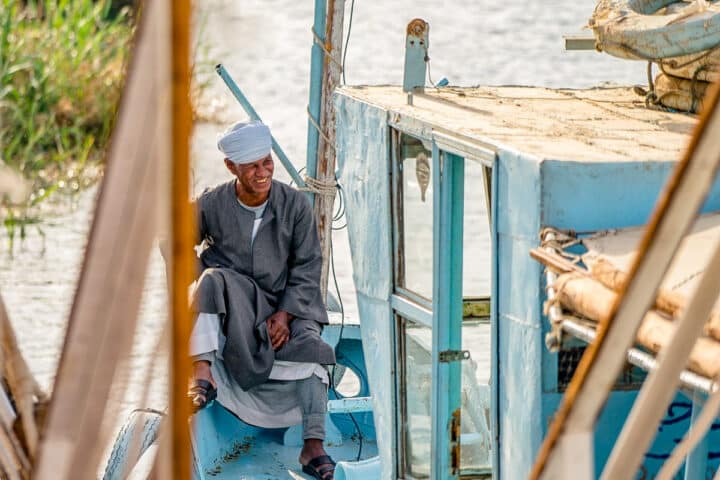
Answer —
327 472
201 394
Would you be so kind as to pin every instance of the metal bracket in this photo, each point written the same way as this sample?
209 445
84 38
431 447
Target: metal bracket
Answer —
416 48
448 356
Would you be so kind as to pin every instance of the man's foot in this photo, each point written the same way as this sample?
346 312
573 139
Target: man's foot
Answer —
202 389
315 461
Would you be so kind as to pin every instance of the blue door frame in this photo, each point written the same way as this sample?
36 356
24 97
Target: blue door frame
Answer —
447 312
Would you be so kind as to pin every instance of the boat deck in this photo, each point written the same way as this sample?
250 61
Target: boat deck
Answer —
597 124
264 457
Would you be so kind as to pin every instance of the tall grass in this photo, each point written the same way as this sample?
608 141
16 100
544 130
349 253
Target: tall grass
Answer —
61 71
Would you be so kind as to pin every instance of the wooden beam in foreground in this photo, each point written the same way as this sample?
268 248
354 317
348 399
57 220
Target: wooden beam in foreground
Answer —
104 312
183 240
568 448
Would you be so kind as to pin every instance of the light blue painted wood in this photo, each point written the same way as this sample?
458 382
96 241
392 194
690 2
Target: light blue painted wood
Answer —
494 327
364 172
571 193
247 106
697 461
416 47
411 310
528 193
447 306
519 322
317 68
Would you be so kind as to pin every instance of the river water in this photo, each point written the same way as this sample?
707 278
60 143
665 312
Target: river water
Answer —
266 47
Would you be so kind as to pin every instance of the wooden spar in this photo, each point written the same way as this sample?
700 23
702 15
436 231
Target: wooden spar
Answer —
22 384
106 304
183 239
589 388
555 262
661 384
326 150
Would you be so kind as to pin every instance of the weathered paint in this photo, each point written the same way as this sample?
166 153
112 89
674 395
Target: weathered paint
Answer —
416 47
316 79
362 142
599 196
519 322
224 447
447 308
571 193
528 193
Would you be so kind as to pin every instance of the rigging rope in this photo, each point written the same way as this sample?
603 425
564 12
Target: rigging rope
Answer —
319 41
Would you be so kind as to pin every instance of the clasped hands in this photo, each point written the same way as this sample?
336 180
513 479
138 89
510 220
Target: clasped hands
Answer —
278 325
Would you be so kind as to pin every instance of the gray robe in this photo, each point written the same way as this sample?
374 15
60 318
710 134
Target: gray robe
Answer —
245 282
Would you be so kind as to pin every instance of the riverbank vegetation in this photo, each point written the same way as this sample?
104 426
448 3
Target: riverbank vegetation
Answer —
62 64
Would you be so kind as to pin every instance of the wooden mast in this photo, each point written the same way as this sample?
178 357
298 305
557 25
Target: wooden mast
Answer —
325 174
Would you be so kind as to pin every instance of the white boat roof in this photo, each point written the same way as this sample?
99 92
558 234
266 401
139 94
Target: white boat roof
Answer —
598 124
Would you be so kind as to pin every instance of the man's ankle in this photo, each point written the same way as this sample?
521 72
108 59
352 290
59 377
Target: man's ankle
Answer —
201 369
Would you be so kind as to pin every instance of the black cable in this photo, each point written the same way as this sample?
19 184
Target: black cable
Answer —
342 328
340 211
292 182
347 40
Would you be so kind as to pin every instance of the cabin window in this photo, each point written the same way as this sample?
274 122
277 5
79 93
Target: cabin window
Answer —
476 232
416 348
415 222
415 208
475 437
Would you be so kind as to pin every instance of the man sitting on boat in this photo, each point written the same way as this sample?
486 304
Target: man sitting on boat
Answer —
256 343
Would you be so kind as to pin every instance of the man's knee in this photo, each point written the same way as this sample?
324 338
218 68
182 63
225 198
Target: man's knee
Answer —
210 279
209 291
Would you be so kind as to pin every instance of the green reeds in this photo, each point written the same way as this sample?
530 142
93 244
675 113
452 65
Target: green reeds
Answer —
61 69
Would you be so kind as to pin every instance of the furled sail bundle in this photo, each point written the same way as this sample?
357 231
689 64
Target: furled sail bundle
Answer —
682 37
588 292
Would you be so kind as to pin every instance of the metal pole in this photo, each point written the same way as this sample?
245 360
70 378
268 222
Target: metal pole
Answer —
247 106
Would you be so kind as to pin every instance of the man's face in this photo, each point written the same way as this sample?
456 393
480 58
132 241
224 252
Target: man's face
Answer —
254 178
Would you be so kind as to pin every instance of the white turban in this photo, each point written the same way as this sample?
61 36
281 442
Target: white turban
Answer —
245 142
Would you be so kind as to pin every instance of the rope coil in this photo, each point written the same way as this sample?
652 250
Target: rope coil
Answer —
327 188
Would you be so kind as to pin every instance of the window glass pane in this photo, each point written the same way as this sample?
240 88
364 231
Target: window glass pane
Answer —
476 233
418 377
417 216
475 439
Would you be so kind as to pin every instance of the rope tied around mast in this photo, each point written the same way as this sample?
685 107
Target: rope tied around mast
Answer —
327 188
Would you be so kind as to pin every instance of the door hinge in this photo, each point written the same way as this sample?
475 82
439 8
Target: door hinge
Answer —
455 442
448 356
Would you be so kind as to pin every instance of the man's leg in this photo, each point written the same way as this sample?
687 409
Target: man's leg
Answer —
201 371
312 394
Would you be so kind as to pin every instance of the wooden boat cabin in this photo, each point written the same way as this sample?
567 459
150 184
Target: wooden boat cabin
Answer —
446 197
